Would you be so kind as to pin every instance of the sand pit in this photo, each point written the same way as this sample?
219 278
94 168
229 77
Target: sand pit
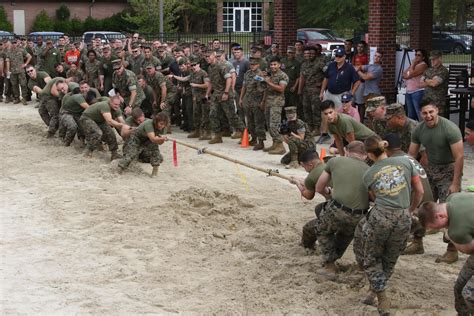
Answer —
206 237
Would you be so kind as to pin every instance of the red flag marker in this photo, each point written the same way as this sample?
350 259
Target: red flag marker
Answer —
175 154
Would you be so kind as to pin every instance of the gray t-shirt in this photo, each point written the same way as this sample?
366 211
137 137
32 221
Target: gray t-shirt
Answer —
372 85
241 67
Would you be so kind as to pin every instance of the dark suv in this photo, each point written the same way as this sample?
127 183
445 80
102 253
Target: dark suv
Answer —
451 43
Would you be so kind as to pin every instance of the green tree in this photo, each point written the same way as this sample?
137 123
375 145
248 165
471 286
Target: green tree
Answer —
91 24
5 25
195 15
76 26
63 13
42 22
146 15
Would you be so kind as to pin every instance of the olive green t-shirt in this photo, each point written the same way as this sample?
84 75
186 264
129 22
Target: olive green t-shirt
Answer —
390 180
313 176
145 128
46 91
38 81
95 111
461 217
72 103
346 124
348 187
437 140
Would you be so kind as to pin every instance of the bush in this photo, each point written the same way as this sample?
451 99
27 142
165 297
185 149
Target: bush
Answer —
63 13
42 22
5 25
91 24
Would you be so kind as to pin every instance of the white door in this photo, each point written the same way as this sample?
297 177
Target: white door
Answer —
242 20
19 22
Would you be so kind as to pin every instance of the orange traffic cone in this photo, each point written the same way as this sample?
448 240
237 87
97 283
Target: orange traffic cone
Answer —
245 139
323 154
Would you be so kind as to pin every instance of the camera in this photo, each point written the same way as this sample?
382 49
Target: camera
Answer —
285 128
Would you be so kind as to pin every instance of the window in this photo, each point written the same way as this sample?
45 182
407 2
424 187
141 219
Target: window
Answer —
242 16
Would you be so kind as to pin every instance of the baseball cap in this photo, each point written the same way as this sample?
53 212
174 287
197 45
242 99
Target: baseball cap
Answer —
254 60
346 97
291 49
393 140
116 64
290 113
394 109
436 54
340 52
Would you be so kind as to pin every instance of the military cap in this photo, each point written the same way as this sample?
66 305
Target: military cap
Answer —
196 42
135 46
254 60
72 85
116 63
394 109
161 48
194 60
290 113
374 103
436 54
291 49
346 97
183 61
275 45
149 66
256 48
219 52
60 46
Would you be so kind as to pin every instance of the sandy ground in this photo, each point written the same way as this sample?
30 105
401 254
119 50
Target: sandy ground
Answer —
205 237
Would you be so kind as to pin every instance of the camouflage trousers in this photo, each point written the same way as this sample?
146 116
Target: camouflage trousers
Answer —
312 108
440 178
379 242
273 108
228 108
96 133
310 229
188 109
201 113
241 111
2 85
297 147
135 147
49 112
464 289
69 126
256 121
18 80
335 231
8 88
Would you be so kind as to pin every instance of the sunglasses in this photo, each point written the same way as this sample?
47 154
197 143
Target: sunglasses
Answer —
30 71
345 101
337 56
192 65
134 51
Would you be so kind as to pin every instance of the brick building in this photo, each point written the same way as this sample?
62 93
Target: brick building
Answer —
21 13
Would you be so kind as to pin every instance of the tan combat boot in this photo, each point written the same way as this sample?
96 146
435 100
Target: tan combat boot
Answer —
279 149
415 248
216 139
329 271
267 149
293 162
370 298
154 172
236 135
259 146
225 132
205 135
383 304
194 134
24 102
115 155
16 101
450 256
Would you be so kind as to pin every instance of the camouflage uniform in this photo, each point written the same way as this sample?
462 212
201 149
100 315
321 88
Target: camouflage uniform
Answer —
156 82
186 102
69 120
135 63
378 126
147 103
385 233
17 77
253 97
92 71
124 84
166 61
49 57
292 69
155 62
200 106
440 177
2 75
107 71
335 230
218 73
437 94
296 145
274 104
310 229
135 146
77 75
464 289
97 132
312 72
49 107
405 133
